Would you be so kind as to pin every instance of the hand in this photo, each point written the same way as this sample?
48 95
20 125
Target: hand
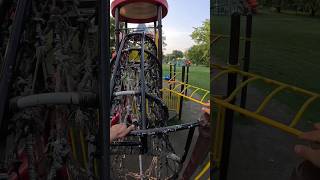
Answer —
206 109
308 153
119 131
205 119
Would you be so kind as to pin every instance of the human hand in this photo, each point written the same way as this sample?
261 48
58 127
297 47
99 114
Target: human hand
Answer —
309 153
204 120
119 131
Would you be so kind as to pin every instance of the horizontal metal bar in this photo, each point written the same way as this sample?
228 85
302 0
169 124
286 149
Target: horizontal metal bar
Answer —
185 96
164 130
58 98
125 143
266 80
126 93
259 117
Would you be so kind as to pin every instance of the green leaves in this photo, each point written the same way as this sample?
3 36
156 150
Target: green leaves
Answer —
199 53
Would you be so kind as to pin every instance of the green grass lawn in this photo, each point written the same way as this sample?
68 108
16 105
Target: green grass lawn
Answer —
284 47
198 75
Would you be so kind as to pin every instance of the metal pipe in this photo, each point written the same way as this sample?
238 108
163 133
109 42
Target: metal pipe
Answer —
160 38
232 83
125 93
117 28
11 53
126 27
187 80
188 144
155 29
246 59
182 88
104 88
60 98
8 65
142 88
164 130
143 95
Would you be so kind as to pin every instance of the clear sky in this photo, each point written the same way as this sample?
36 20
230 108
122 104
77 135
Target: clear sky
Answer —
178 25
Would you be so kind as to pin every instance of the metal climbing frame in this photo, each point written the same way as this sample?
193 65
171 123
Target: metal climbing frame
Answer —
226 106
197 95
223 103
280 87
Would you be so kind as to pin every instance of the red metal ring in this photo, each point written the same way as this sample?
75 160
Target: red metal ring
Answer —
119 3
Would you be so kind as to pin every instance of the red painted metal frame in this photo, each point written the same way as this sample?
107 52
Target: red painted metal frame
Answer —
119 3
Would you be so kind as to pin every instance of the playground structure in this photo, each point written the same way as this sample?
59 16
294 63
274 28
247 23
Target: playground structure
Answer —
176 90
58 102
151 103
225 104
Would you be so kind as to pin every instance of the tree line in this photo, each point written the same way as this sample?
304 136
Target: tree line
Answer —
310 7
198 53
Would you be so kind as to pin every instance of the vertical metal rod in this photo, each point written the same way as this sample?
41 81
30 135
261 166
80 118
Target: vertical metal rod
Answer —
8 65
188 144
232 83
126 27
143 95
155 29
213 123
170 74
160 38
117 29
182 87
187 79
246 59
141 167
174 74
104 88
174 71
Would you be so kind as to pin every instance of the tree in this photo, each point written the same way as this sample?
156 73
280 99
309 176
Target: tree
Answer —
200 53
197 55
312 6
112 32
177 54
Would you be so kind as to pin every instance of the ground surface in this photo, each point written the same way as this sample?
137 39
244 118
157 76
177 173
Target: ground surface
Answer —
198 75
191 113
284 47
259 151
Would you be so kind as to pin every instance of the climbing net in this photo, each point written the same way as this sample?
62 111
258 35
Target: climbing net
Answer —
52 120
136 76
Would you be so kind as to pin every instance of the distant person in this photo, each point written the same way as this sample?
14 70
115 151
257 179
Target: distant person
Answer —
309 169
188 62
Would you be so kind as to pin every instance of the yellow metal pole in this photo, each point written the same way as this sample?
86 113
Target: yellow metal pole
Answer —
204 170
302 110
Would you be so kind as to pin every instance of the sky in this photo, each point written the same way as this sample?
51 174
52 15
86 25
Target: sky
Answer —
178 25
